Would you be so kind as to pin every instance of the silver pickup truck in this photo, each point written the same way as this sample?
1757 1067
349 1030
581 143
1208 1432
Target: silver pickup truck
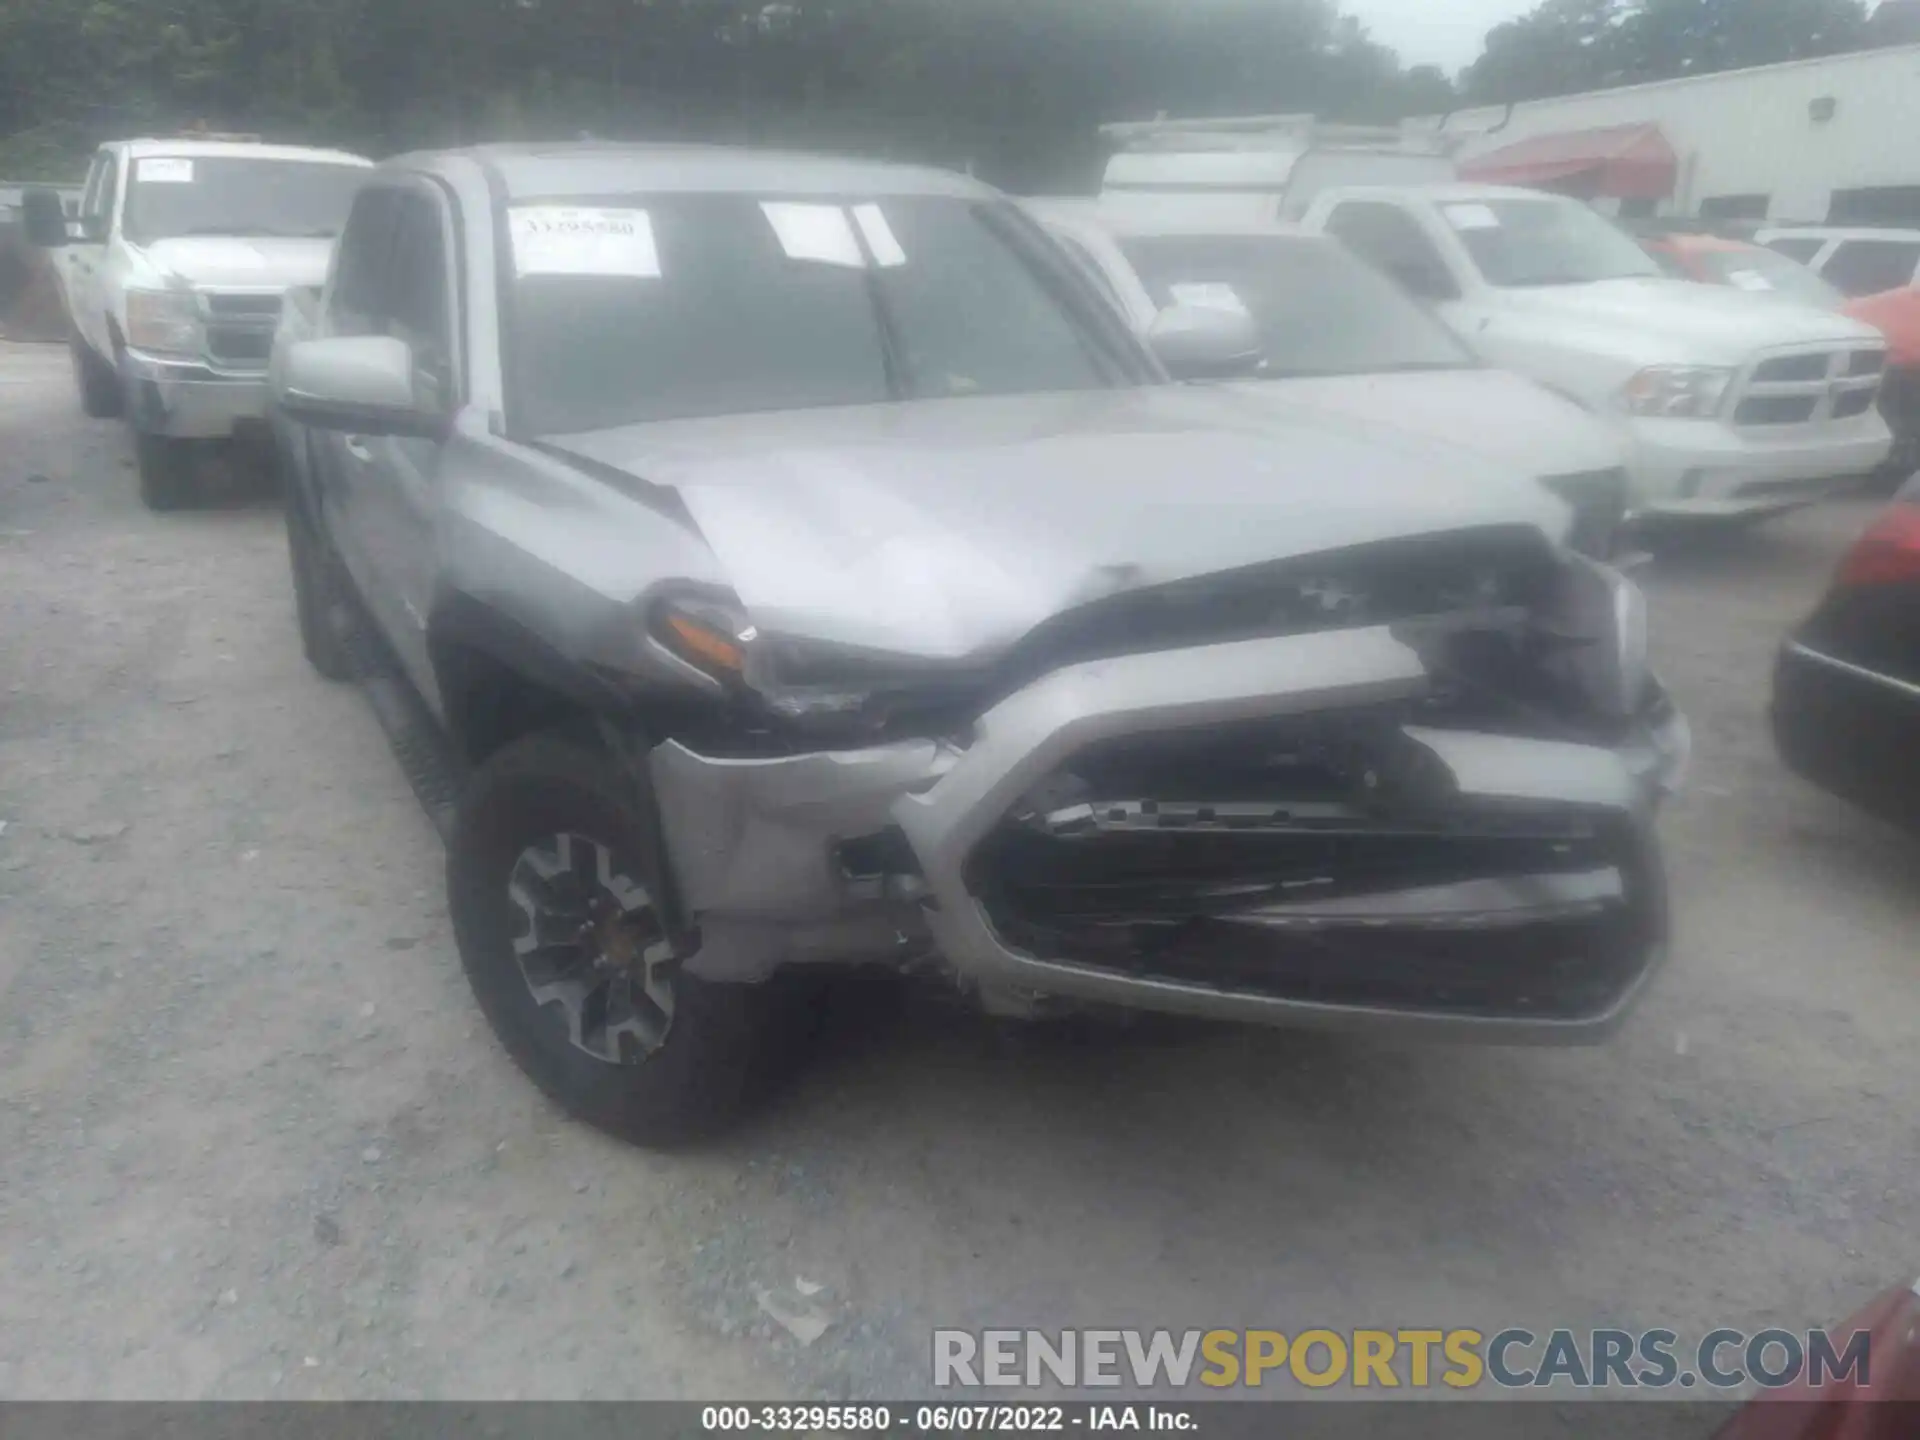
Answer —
807 567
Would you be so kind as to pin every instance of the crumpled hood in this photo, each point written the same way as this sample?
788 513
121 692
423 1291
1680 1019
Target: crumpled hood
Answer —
1495 414
948 529
223 261
1702 324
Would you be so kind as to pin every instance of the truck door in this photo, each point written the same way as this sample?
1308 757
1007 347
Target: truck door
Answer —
394 479
83 262
352 304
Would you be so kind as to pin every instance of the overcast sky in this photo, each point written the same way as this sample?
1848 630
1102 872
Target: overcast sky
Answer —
1447 33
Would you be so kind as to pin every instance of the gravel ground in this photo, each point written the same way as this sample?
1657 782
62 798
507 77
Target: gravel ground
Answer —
259 1143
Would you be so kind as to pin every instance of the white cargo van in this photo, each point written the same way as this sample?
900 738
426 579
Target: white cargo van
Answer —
1257 169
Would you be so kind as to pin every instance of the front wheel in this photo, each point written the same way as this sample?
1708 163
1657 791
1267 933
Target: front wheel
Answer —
568 954
319 598
97 382
166 471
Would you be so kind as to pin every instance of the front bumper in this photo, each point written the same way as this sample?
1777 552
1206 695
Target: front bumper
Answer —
186 399
888 854
1704 469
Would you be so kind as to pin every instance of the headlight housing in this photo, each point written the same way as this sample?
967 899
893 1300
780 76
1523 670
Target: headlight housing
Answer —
830 691
1611 669
1677 392
163 322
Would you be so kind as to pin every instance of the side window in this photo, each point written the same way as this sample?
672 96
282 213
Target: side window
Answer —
96 206
1735 207
1797 247
1388 239
416 308
92 183
1866 267
360 267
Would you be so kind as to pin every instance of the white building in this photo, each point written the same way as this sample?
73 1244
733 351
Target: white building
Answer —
1835 139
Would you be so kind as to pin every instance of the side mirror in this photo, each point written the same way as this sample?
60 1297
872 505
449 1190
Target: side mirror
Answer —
360 383
1205 342
44 218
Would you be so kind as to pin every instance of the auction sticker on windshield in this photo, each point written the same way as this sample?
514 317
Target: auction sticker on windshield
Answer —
1748 280
1471 217
164 171
574 240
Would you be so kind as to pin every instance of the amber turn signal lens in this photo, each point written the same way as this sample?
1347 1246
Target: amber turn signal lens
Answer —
700 643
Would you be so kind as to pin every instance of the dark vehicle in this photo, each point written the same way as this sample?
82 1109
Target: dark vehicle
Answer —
1846 691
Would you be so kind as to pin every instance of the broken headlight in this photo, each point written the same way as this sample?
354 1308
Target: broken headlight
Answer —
1607 614
813 686
163 322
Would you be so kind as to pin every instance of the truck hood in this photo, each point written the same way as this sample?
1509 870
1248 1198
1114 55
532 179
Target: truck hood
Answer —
948 529
1494 414
242 263
1689 323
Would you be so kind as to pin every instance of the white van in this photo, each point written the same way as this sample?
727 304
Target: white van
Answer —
1257 169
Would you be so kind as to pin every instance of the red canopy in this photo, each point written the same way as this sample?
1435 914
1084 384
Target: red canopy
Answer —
1627 161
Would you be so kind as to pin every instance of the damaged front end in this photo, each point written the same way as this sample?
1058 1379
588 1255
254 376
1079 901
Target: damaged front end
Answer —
1408 785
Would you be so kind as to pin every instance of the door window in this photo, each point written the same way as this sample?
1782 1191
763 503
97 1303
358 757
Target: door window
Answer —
359 271
391 278
1389 239
1797 247
415 306
1866 267
96 205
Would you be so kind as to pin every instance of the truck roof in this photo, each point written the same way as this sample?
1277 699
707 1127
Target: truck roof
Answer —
585 169
1137 224
1440 192
1839 232
187 148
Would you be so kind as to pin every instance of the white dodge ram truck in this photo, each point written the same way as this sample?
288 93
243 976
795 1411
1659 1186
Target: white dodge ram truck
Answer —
1733 407
173 277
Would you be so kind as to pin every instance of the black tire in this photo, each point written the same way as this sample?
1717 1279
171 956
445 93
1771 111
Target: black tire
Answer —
319 599
97 381
166 471
709 1063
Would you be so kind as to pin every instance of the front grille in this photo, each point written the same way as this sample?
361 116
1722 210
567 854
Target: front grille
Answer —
1784 368
240 326
1813 388
1318 859
243 306
1776 410
234 346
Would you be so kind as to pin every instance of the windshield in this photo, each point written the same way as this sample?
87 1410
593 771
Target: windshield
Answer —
1763 272
1547 241
666 307
1318 310
171 196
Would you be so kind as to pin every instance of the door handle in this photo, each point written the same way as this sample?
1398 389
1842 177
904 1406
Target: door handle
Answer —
357 448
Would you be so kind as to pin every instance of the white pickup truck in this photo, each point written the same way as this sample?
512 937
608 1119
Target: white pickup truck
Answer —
1733 407
173 276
